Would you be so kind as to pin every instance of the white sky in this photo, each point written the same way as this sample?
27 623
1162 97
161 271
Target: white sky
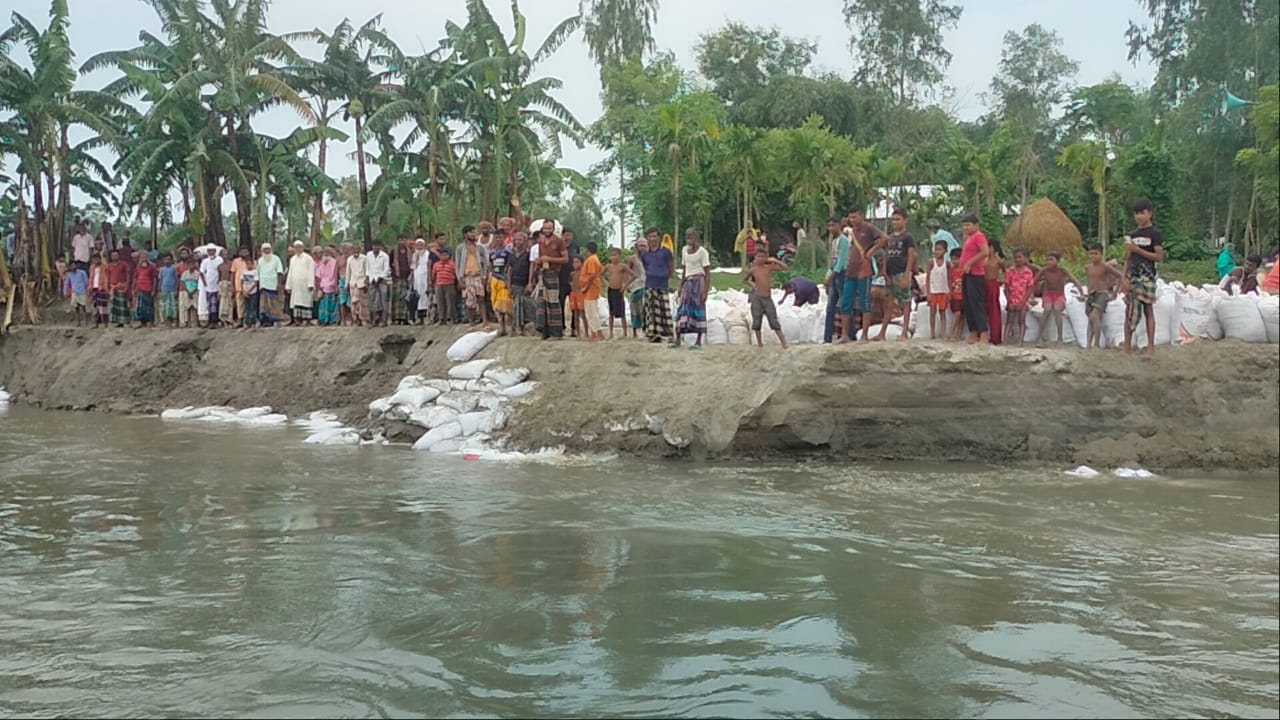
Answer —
1092 32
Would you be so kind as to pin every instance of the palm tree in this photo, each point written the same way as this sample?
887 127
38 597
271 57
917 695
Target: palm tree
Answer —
1087 159
739 157
618 30
973 166
685 127
347 74
44 106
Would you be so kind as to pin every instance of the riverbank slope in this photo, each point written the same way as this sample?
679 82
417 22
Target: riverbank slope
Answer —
1211 405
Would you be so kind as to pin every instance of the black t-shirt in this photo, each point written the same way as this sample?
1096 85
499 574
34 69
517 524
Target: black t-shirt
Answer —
1147 238
519 263
898 247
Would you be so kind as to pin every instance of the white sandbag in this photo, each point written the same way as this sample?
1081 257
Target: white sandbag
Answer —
1241 319
1035 314
466 347
520 390
317 416
409 381
414 397
716 332
474 422
1084 471
458 384
483 385
334 436
1269 309
399 413
500 418
1113 320
452 445
506 377
473 370
4 396
448 431
463 402
379 406
432 417
491 401
1199 315
739 335
184 413
1075 328
1133 473
268 420
440 384
253 412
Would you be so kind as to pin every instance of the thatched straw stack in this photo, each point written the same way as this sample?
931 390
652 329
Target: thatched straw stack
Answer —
1044 227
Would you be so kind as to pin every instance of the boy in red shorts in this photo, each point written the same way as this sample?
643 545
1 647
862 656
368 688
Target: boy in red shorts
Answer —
1054 278
937 288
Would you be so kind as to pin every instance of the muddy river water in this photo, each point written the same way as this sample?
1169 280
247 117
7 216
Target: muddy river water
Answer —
149 568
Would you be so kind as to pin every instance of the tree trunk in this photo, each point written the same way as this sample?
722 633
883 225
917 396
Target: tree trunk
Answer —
243 203
318 217
675 232
155 222
271 233
364 189
185 189
515 186
622 206
1102 216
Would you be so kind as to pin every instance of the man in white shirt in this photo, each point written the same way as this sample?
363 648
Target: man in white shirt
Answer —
378 268
82 245
209 284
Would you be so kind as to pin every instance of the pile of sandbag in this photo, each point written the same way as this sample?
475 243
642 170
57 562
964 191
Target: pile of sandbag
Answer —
458 412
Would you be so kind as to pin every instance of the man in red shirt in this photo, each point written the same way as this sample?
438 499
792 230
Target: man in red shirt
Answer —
118 281
973 264
444 278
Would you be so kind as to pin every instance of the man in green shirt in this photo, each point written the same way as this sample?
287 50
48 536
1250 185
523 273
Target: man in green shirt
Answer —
270 275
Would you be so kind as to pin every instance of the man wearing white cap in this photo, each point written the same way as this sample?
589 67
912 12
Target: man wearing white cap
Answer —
301 284
270 275
209 277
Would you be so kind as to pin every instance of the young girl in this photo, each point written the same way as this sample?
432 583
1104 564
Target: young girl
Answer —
937 286
1018 281
577 300
957 296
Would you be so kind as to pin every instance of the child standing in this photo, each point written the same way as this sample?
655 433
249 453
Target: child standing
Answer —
1053 278
168 291
957 295
577 299
248 281
444 278
760 277
619 275
937 286
592 271
189 296
1018 281
75 285
1103 280
100 288
1145 247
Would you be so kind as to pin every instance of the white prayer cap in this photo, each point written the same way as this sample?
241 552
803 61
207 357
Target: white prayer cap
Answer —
298 243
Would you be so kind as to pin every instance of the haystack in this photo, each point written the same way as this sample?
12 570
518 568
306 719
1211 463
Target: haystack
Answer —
1044 227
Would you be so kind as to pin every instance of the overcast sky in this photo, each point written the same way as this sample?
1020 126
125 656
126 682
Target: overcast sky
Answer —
1092 32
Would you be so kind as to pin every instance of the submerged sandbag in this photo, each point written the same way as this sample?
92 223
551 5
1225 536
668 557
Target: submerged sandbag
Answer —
254 412
466 347
472 370
334 436
447 431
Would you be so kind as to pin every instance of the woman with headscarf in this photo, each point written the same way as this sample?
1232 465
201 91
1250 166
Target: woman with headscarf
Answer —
300 282
327 281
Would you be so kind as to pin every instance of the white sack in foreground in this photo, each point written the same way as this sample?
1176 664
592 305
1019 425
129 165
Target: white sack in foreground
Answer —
472 370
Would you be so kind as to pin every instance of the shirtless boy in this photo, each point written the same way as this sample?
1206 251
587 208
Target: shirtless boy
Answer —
1053 278
760 275
619 276
1103 280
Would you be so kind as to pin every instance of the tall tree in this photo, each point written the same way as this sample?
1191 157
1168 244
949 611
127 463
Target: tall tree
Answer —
618 30
897 44
737 59
685 128
1034 76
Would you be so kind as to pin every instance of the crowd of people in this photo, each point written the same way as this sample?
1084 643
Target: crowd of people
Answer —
543 282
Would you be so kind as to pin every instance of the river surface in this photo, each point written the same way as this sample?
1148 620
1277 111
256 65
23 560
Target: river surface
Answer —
153 568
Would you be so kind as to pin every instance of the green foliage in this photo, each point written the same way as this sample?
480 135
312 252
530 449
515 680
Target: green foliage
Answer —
898 44
737 59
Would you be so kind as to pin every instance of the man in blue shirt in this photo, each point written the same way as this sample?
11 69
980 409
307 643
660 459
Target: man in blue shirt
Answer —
659 266
937 233
76 286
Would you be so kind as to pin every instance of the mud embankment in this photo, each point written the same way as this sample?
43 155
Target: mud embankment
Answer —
1206 405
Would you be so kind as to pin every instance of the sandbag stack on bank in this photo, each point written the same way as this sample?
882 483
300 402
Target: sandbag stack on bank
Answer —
457 413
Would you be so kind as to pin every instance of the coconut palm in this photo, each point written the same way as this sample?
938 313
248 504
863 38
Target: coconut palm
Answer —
1088 160
685 128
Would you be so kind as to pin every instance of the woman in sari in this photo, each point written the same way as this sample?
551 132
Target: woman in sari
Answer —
327 282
